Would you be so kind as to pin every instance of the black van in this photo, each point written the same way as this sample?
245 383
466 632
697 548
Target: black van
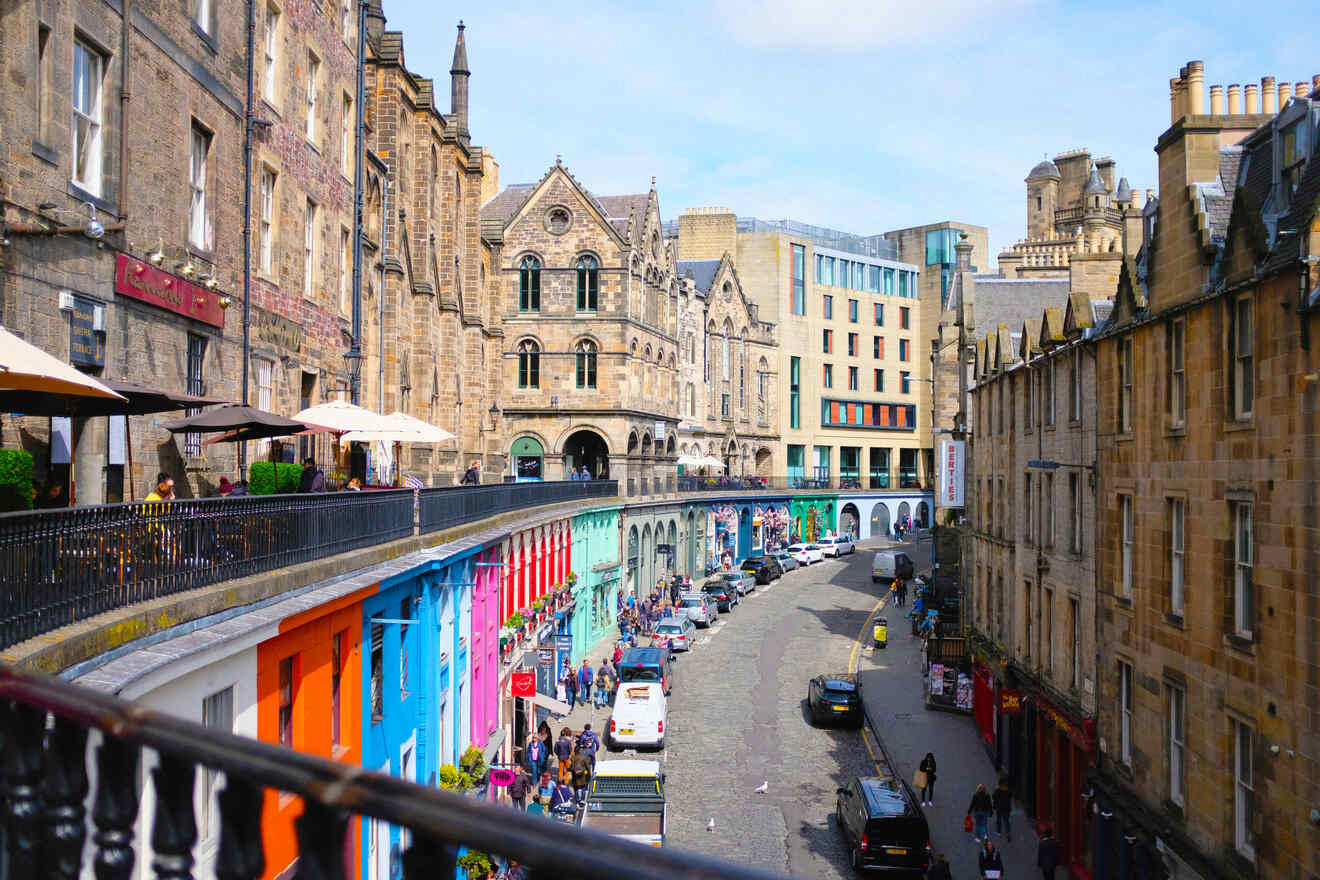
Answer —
883 826
648 664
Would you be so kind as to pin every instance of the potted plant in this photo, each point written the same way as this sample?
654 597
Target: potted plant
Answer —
476 865
516 621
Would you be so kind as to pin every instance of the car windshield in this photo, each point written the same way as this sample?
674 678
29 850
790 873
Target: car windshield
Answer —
733 576
691 603
639 673
670 629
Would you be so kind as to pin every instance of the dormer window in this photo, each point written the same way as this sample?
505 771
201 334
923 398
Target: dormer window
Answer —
1292 157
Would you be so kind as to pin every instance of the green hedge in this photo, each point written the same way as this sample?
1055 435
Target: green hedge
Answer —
262 477
15 479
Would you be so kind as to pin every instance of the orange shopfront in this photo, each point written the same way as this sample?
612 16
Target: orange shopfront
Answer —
1065 753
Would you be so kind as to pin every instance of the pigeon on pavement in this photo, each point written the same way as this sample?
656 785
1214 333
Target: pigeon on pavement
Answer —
710 826
763 787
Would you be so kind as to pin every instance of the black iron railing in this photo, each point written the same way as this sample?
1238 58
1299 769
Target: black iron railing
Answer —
45 723
454 505
849 483
61 566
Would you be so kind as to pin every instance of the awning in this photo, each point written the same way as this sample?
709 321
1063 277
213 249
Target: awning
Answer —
33 382
552 704
493 745
248 423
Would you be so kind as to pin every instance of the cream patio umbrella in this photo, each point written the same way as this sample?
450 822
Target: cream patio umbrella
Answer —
398 428
33 382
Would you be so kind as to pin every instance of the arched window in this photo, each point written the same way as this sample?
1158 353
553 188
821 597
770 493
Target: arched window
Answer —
586 364
728 331
692 400
588 284
529 364
529 285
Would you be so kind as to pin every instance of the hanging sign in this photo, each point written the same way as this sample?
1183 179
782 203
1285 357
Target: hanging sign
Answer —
144 282
86 343
952 471
523 684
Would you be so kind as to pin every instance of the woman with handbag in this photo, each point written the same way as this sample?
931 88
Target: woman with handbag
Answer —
928 787
979 813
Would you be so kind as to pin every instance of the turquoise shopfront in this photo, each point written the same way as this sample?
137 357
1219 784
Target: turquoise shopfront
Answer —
597 569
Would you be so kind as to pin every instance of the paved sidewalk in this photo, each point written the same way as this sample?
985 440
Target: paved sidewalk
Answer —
588 713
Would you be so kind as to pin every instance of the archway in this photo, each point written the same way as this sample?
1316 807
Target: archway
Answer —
731 459
632 560
880 521
648 562
763 456
646 445
587 448
528 459
923 515
904 511
849 519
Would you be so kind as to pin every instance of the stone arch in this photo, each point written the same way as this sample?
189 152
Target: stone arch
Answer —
632 443
631 559
586 447
669 446
647 449
923 515
691 542
880 520
849 520
647 560
904 511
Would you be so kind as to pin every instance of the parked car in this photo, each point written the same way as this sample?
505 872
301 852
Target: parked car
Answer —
786 560
652 664
836 546
835 698
723 592
742 582
677 632
627 799
763 569
890 564
638 717
805 554
883 825
700 609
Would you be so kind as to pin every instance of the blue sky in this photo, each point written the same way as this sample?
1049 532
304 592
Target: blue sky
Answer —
863 116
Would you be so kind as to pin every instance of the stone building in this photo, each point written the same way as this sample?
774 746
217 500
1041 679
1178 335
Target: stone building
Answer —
136 129
588 295
1209 475
728 368
438 324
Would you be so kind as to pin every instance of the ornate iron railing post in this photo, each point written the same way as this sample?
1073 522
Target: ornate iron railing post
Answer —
240 856
23 729
65 789
174 830
115 809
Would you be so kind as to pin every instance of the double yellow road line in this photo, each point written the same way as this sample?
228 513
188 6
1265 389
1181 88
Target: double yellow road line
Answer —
852 667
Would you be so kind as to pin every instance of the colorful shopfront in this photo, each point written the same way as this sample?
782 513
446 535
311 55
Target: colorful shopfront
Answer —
769 527
594 578
722 532
811 516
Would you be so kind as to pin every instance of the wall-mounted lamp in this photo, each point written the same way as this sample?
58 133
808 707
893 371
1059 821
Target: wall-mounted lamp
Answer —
157 256
494 415
94 230
225 302
186 269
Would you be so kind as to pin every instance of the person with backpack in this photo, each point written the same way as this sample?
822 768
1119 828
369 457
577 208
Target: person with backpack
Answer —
580 765
564 753
518 789
603 685
588 743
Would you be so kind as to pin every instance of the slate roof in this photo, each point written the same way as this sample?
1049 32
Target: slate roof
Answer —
1124 191
1215 200
702 272
1045 169
622 209
1095 185
507 203
1011 301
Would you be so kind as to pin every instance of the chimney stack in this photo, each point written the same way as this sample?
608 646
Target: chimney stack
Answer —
1235 100
1216 100
1300 91
1196 88
1268 96
1315 82
963 251
1252 105
1285 92
1174 115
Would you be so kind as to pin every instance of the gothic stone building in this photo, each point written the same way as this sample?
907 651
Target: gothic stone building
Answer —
588 296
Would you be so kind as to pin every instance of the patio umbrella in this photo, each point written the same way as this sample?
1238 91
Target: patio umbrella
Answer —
247 423
35 383
398 427
712 461
340 417
691 461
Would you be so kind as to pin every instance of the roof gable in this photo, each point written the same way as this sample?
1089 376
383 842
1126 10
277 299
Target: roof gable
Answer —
558 174
1130 298
1029 343
1078 318
1051 328
1005 356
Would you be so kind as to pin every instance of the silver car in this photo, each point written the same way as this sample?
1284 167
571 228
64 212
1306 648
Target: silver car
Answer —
677 632
743 582
700 608
786 562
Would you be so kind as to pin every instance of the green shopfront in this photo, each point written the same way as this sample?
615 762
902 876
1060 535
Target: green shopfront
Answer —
810 516
595 562
527 458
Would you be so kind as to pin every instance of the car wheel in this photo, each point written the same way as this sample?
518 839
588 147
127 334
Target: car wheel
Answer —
856 859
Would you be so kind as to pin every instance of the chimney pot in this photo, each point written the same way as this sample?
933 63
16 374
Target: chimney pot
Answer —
1252 99
1195 88
1315 82
1235 99
1174 115
1216 100
1268 96
1300 91
1285 92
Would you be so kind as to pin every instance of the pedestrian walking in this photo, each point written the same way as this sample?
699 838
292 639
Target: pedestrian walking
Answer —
518 789
603 685
1047 854
588 743
580 767
618 653
534 755
562 798
472 477
928 790
979 809
902 592
545 787
585 679
1003 801
585 475
564 752
990 862
571 688
939 870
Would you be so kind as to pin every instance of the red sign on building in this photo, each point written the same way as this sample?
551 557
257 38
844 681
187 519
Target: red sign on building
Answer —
523 684
1010 701
143 281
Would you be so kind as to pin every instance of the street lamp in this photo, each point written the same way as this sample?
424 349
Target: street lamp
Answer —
353 363
494 415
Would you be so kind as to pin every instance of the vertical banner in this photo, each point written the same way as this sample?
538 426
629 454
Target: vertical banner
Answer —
952 470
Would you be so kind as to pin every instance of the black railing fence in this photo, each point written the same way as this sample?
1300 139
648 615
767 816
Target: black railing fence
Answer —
45 723
448 506
845 483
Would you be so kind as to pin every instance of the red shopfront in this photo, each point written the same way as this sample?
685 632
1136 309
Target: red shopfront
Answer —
983 700
1065 750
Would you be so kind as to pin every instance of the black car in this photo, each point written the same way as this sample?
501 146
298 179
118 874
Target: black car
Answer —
764 568
722 592
883 825
832 698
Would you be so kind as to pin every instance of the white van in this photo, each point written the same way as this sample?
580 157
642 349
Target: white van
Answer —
890 564
640 711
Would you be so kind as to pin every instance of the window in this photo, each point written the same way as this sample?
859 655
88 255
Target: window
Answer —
1176 537
1028 398
1292 150
827 341
268 61
879 380
346 11
1038 203
405 613
347 130
265 245
192 443
588 284
377 672
724 405
827 377
1048 630
1244 795
1177 744
529 364
905 349
1240 343
852 378
286 702
199 220
586 364
903 283
1126 526
852 345
692 400
1047 393
309 247
827 306
529 285
742 382
904 318
904 382
345 272
1244 609
1047 512
313 71
877 347
879 314
217 714
202 16
336 678
852 310
795 392
1075 506
799 279
1177 374
1075 381
1075 629
45 75
265 389
889 281
1030 508
728 354
1125 385
1125 713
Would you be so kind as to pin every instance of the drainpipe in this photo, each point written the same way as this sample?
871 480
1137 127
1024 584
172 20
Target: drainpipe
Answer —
355 350
247 223
126 59
384 238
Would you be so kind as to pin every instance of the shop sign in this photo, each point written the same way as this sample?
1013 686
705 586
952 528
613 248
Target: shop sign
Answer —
953 458
278 330
564 644
523 684
144 282
545 656
86 343
1010 701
